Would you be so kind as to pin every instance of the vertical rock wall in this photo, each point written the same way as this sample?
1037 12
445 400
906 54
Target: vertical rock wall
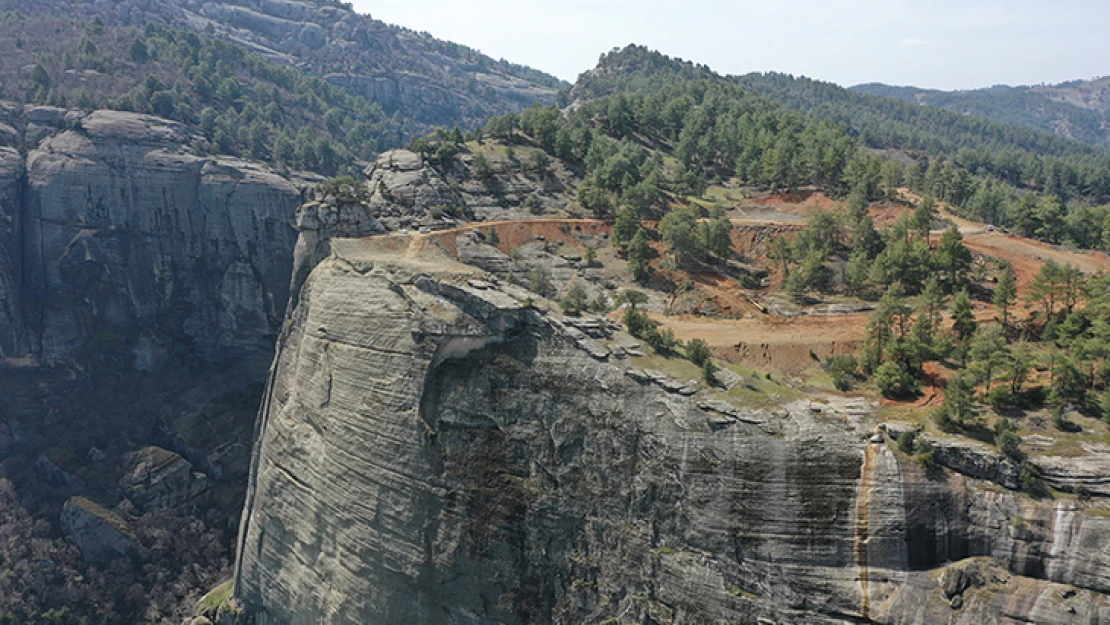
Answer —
120 237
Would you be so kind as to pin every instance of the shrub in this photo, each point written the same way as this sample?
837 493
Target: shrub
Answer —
894 381
662 341
591 256
637 323
844 370
1082 493
906 441
576 300
708 369
1001 398
926 456
345 189
539 281
1006 438
943 418
698 352
1031 483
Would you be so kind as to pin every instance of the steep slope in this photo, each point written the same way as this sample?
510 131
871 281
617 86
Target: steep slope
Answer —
1076 110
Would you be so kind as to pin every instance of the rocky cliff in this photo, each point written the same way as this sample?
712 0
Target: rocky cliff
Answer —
434 448
118 236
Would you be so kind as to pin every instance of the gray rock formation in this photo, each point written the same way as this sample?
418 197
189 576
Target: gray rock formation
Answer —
100 534
117 226
157 478
430 451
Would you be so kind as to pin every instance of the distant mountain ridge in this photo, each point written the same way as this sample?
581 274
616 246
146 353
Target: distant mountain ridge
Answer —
428 81
1078 109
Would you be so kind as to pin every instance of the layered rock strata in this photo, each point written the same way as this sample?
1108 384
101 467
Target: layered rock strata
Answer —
432 450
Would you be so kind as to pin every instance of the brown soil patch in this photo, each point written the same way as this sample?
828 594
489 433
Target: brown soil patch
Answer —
1027 255
803 202
516 233
772 343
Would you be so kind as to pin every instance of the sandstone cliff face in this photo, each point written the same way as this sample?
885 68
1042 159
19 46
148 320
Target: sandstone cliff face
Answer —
112 227
431 450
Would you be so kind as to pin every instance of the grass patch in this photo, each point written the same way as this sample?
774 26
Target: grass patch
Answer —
675 366
818 378
755 390
494 151
737 591
214 600
724 196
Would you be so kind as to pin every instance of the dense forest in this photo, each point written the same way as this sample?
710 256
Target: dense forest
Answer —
243 103
776 132
1030 107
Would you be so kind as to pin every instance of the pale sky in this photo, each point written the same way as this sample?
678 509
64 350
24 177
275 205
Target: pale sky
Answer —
942 44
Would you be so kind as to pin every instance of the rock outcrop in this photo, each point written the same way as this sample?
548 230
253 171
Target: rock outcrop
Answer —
100 534
157 478
117 236
432 450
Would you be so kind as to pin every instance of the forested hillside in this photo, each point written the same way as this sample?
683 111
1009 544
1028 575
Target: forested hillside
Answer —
310 86
1076 110
774 131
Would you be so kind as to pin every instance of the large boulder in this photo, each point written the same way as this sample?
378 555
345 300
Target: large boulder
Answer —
100 534
156 478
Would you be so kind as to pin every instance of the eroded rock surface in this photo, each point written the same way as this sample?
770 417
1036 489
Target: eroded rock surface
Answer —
431 450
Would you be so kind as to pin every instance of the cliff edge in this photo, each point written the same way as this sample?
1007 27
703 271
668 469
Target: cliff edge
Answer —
436 447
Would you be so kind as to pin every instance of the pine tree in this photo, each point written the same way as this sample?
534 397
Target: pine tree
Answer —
639 254
959 400
924 216
953 257
678 229
1005 293
988 352
626 225
963 317
632 297
782 252
493 239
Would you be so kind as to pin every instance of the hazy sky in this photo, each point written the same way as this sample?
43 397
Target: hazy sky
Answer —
941 44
